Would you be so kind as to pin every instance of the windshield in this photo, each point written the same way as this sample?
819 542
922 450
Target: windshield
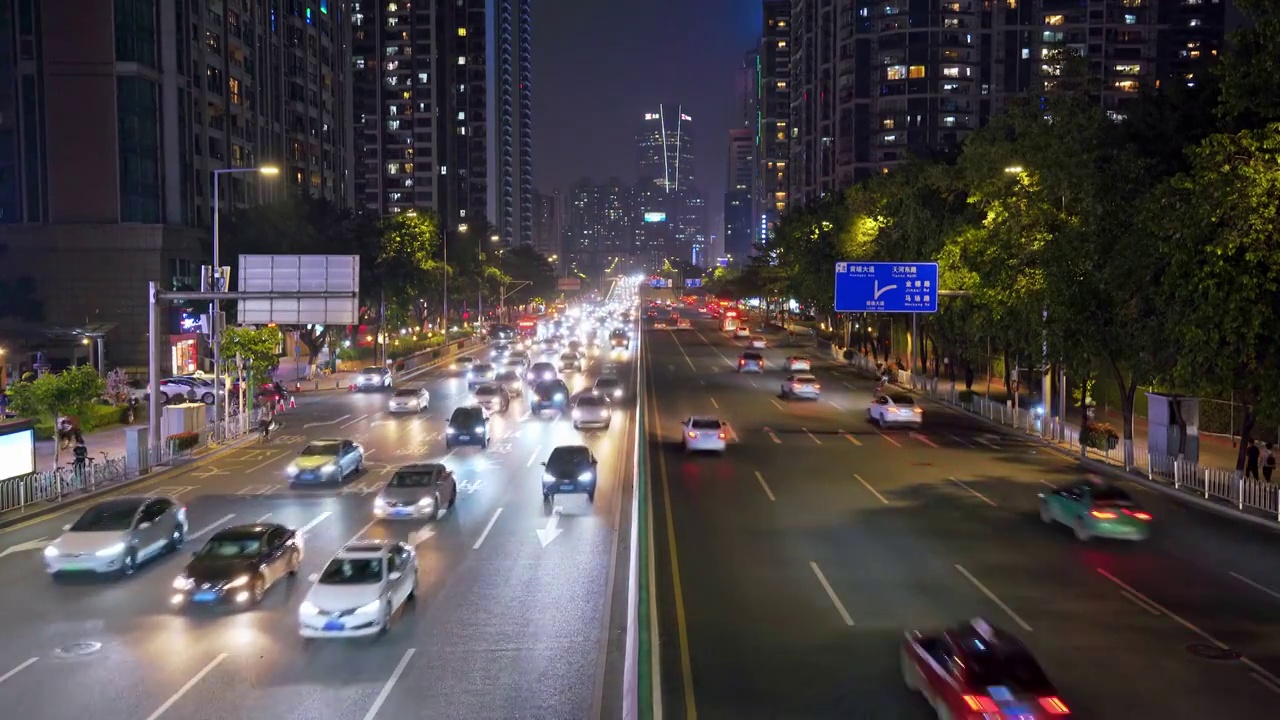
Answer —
607 383
486 391
1109 495
107 517
568 457
406 392
1013 667
372 371
751 356
352 571
590 401
465 416
320 448
548 389
704 424
902 400
231 548
413 478
508 376
482 368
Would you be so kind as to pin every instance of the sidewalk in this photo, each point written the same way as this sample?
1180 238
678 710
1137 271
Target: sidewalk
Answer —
108 440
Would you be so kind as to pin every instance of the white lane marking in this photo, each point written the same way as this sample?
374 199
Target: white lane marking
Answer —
353 422
1008 610
1046 482
264 463
1267 680
1255 585
984 498
773 437
811 436
1180 620
715 404
1139 602
391 683
701 381
867 485
187 688
319 519
886 437
849 437
18 669
834 404
765 485
777 404
960 440
844 614
487 528
263 518
360 533
211 526
326 422
685 354
753 384
987 442
536 451
924 439
848 384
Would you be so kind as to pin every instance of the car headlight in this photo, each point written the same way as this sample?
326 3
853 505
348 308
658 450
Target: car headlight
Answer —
559 396
617 393
307 608
368 608
449 431
479 428
330 467
379 502
427 501
548 477
238 582
182 582
586 475
50 551
110 550
292 469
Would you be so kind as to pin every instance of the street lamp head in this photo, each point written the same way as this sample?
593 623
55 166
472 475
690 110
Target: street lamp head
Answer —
269 170
462 227
1014 169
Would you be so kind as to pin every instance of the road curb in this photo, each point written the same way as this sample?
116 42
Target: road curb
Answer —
51 509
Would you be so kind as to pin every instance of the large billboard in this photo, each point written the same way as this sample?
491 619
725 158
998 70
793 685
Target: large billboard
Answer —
652 217
337 274
17 449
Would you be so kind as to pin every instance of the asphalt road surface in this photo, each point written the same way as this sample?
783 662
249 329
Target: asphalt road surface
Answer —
789 568
505 626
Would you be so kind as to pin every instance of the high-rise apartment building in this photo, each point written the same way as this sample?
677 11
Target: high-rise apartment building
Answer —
665 148
873 82
773 117
739 210
548 213
113 118
599 225
513 46
420 100
748 76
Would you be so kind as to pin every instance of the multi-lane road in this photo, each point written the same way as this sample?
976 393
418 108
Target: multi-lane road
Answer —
788 569
509 622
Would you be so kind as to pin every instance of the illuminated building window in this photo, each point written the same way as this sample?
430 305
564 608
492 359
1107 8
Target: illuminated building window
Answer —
915 72
1054 19
896 72
951 72
887 123
393 168
1130 19
462 32
462 60
1127 85
359 63
1128 69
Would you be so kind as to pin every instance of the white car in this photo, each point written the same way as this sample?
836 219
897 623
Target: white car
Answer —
897 409
359 591
757 342
374 377
702 433
116 536
479 374
571 360
801 386
591 411
741 332
409 400
683 324
798 363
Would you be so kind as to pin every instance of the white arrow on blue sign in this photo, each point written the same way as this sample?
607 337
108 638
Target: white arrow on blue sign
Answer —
889 287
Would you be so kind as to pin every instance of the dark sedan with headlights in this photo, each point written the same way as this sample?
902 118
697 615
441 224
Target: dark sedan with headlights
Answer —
238 565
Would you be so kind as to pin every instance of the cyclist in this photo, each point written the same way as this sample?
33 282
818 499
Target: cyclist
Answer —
264 425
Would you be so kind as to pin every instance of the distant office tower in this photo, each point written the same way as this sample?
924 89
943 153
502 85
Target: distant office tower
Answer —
665 148
513 41
548 214
746 90
114 117
773 115
874 82
599 225
739 223
420 103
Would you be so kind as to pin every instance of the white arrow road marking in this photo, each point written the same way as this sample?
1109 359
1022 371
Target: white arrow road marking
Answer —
37 544
418 537
881 290
550 532
212 526
303 530
327 422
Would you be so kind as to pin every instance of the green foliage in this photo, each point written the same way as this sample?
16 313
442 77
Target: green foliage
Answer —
258 347
70 392
1249 71
525 264
181 442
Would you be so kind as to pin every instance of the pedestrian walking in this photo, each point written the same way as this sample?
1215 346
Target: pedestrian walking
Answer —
1269 463
1251 453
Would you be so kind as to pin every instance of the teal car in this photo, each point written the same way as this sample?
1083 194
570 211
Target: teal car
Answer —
1094 509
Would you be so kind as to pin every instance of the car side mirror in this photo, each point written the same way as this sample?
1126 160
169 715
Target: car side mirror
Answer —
543 464
313 577
395 576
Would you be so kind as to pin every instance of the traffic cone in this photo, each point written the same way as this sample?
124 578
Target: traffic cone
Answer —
293 402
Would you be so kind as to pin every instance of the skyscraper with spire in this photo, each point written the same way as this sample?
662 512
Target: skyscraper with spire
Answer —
666 148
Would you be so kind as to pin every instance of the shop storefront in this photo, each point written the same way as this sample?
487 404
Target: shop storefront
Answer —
184 353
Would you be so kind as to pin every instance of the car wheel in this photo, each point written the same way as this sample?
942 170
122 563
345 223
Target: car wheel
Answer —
360 465
207 398
591 496
546 498
453 497
295 561
448 445
435 508
1046 516
576 426
257 590
176 538
1082 531
164 398
129 564
386 618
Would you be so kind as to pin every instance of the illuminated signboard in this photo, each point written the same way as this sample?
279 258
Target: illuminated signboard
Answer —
651 116
685 118
655 217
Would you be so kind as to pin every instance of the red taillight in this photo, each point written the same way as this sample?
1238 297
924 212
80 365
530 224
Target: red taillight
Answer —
981 703
741 363
1054 706
1103 514
1143 516
693 435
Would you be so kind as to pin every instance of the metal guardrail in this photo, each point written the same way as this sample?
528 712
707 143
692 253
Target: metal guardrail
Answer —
1226 485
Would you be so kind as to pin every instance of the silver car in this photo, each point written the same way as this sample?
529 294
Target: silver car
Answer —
591 411
409 400
571 360
116 536
493 398
511 380
374 377
417 491
479 374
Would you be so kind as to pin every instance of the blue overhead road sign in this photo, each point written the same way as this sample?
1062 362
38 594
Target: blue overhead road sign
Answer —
895 287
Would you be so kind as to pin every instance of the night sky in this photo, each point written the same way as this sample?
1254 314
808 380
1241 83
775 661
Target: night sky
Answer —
599 65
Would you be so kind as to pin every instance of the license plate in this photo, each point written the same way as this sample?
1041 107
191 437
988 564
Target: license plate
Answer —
567 487
464 437
401 511
204 596
334 625
73 566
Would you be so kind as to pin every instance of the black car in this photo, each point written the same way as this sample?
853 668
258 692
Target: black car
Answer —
570 469
467 426
549 395
238 565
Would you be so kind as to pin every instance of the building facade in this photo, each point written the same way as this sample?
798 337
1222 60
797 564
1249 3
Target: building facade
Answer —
548 213
739 210
420 108
876 82
513 48
113 117
773 117
599 225
664 146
